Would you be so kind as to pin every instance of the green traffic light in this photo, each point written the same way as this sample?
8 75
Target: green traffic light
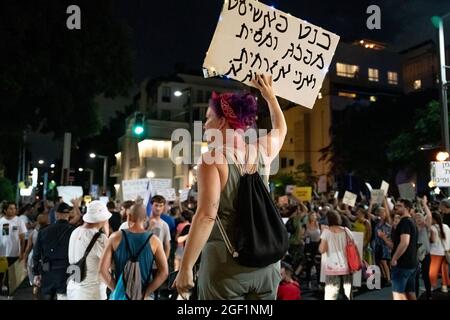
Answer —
436 21
138 130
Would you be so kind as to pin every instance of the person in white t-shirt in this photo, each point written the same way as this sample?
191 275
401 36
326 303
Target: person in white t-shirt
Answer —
12 237
91 288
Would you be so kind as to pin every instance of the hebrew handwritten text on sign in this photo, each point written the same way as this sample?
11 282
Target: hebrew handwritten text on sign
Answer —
252 38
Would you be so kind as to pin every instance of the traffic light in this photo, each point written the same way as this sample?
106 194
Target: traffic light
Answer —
138 126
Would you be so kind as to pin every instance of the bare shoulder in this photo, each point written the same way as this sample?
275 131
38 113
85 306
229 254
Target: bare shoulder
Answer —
115 238
155 243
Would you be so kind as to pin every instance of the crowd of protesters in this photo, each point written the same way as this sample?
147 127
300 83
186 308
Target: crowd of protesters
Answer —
48 238
407 240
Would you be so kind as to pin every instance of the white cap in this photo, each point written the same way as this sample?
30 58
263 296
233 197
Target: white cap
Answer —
96 212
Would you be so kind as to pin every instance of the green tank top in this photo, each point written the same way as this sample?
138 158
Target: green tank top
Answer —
228 196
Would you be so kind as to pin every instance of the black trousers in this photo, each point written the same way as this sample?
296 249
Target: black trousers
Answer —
424 266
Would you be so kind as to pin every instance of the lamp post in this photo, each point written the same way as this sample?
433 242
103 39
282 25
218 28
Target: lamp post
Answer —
179 93
105 167
438 22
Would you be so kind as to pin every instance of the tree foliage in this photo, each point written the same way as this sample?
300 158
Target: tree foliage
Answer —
50 75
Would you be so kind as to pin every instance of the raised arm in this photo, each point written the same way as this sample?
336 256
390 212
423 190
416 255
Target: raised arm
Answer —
426 208
274 140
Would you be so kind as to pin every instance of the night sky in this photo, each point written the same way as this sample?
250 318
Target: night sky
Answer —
179 31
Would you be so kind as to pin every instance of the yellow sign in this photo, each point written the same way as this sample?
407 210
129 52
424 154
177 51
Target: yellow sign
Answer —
303 193
87 199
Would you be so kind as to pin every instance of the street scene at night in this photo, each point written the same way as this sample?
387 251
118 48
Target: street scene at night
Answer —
224 150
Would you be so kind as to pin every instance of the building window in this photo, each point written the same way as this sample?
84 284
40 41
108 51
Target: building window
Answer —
392 77
283 163
291 162
347 95
417 84
373 99
199 96
347 70
373 75
166 92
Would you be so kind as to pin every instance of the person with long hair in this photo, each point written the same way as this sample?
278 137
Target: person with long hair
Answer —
219 275
312 241
382 250
440 242
333 245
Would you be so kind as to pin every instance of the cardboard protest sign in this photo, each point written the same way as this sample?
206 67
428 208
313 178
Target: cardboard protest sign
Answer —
440 173
160 184
384 187
68 193
377 196
407 191
184 194
16 275
322 184
349 198
168 194
304 194
132 189
253 38
289 189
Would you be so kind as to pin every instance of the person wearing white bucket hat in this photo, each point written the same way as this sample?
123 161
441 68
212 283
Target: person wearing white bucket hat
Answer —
91 287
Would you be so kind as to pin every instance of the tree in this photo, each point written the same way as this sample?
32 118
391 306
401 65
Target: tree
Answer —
50 75
6 190
404 150
362 135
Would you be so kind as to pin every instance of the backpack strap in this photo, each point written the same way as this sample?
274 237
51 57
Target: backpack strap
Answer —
136 256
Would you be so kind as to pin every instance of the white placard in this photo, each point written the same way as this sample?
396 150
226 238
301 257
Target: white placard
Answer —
253 38
440 173
289 189
132 189
168 194
377 196
184 195
384 187
161 184
349 198
68 193
407 191
322 184
359 238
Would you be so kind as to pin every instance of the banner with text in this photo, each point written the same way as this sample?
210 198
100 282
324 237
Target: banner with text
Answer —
440 173
253 38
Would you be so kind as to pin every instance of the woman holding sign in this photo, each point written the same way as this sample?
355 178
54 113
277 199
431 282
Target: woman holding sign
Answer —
220 276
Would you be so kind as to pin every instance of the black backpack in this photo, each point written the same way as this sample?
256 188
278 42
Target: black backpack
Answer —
260 237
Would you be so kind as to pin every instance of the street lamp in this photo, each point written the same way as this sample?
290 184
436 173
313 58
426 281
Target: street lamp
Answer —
439 24
105 167
442 156
41 162
52 165
179 93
